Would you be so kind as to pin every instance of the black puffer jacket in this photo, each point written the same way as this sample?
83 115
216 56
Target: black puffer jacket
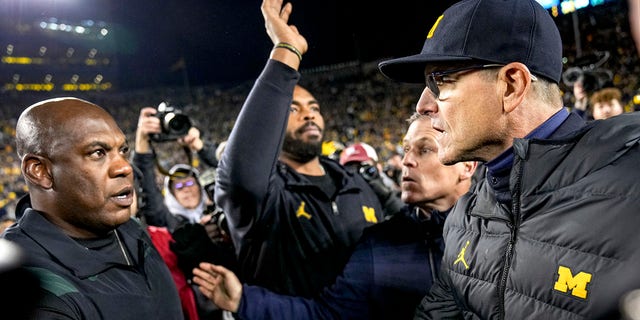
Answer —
567 248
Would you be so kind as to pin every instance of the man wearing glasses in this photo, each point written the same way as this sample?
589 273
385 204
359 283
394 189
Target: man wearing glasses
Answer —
551 233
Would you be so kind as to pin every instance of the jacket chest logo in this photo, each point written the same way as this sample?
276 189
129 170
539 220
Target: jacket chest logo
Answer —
463 251
369 214
577 284
301 213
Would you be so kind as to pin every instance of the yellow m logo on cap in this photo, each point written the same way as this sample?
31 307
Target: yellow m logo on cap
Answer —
576 284
435 25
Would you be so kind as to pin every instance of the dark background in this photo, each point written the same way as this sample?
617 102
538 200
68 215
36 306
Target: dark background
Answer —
225 41
199 42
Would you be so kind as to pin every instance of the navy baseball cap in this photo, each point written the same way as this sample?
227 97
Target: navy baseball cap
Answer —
490 31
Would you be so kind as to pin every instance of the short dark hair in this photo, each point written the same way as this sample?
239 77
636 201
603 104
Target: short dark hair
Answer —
606 95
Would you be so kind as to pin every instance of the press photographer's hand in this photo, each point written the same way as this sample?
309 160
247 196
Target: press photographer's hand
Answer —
192 140
148 124
213 225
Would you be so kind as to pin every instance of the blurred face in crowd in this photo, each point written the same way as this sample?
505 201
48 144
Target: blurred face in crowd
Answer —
186 191
426 182
607 109
79 175
303 138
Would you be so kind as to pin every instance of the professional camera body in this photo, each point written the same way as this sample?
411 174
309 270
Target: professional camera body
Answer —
208 181
173 122
589 71
368 172
218 218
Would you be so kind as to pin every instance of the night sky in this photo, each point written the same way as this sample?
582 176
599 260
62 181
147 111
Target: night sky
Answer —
225 41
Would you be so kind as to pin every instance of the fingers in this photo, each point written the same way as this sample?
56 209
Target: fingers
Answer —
205 281
194 132
211 270
147 111
149 124
216 269
285 13
271 7
205 219
206 277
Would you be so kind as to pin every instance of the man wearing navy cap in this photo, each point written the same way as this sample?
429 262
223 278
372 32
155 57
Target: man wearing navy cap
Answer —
551 233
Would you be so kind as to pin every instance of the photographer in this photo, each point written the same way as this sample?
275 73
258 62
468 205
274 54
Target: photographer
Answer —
184 198
183 207
584 78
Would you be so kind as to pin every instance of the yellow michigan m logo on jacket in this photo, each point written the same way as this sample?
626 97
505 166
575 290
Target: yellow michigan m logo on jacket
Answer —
568 282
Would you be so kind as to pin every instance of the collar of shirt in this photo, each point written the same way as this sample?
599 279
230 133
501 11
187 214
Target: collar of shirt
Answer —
81 260
500 167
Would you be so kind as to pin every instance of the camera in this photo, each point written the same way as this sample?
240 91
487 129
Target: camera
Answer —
589 72
218 219
173 122
368 172
208 182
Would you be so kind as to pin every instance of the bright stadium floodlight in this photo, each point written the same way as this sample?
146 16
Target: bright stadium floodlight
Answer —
548 4
581 4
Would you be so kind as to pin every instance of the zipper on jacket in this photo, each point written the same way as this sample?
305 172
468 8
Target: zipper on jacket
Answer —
334 208
432 263
513 226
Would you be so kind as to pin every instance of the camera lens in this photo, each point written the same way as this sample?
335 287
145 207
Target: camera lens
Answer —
369 172
177 124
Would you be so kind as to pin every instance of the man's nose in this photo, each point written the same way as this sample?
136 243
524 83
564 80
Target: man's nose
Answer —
427 104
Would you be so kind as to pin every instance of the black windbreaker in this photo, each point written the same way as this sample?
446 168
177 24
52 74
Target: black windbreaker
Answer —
289 236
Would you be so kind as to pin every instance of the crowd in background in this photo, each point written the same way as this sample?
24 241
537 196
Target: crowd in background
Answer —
358 103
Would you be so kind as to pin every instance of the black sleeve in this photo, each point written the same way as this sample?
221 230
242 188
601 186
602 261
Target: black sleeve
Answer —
208 154
251 153
151 208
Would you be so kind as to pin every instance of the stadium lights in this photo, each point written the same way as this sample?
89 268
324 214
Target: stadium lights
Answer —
98 29
50 86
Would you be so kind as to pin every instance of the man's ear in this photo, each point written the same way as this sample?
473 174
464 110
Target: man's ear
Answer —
469 168
517 81
37 169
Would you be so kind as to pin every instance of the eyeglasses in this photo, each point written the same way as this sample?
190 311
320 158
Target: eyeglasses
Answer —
436 79
182 185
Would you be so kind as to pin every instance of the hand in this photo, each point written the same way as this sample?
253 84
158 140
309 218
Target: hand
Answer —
192 140
215 232
276 18
147 124
219 284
